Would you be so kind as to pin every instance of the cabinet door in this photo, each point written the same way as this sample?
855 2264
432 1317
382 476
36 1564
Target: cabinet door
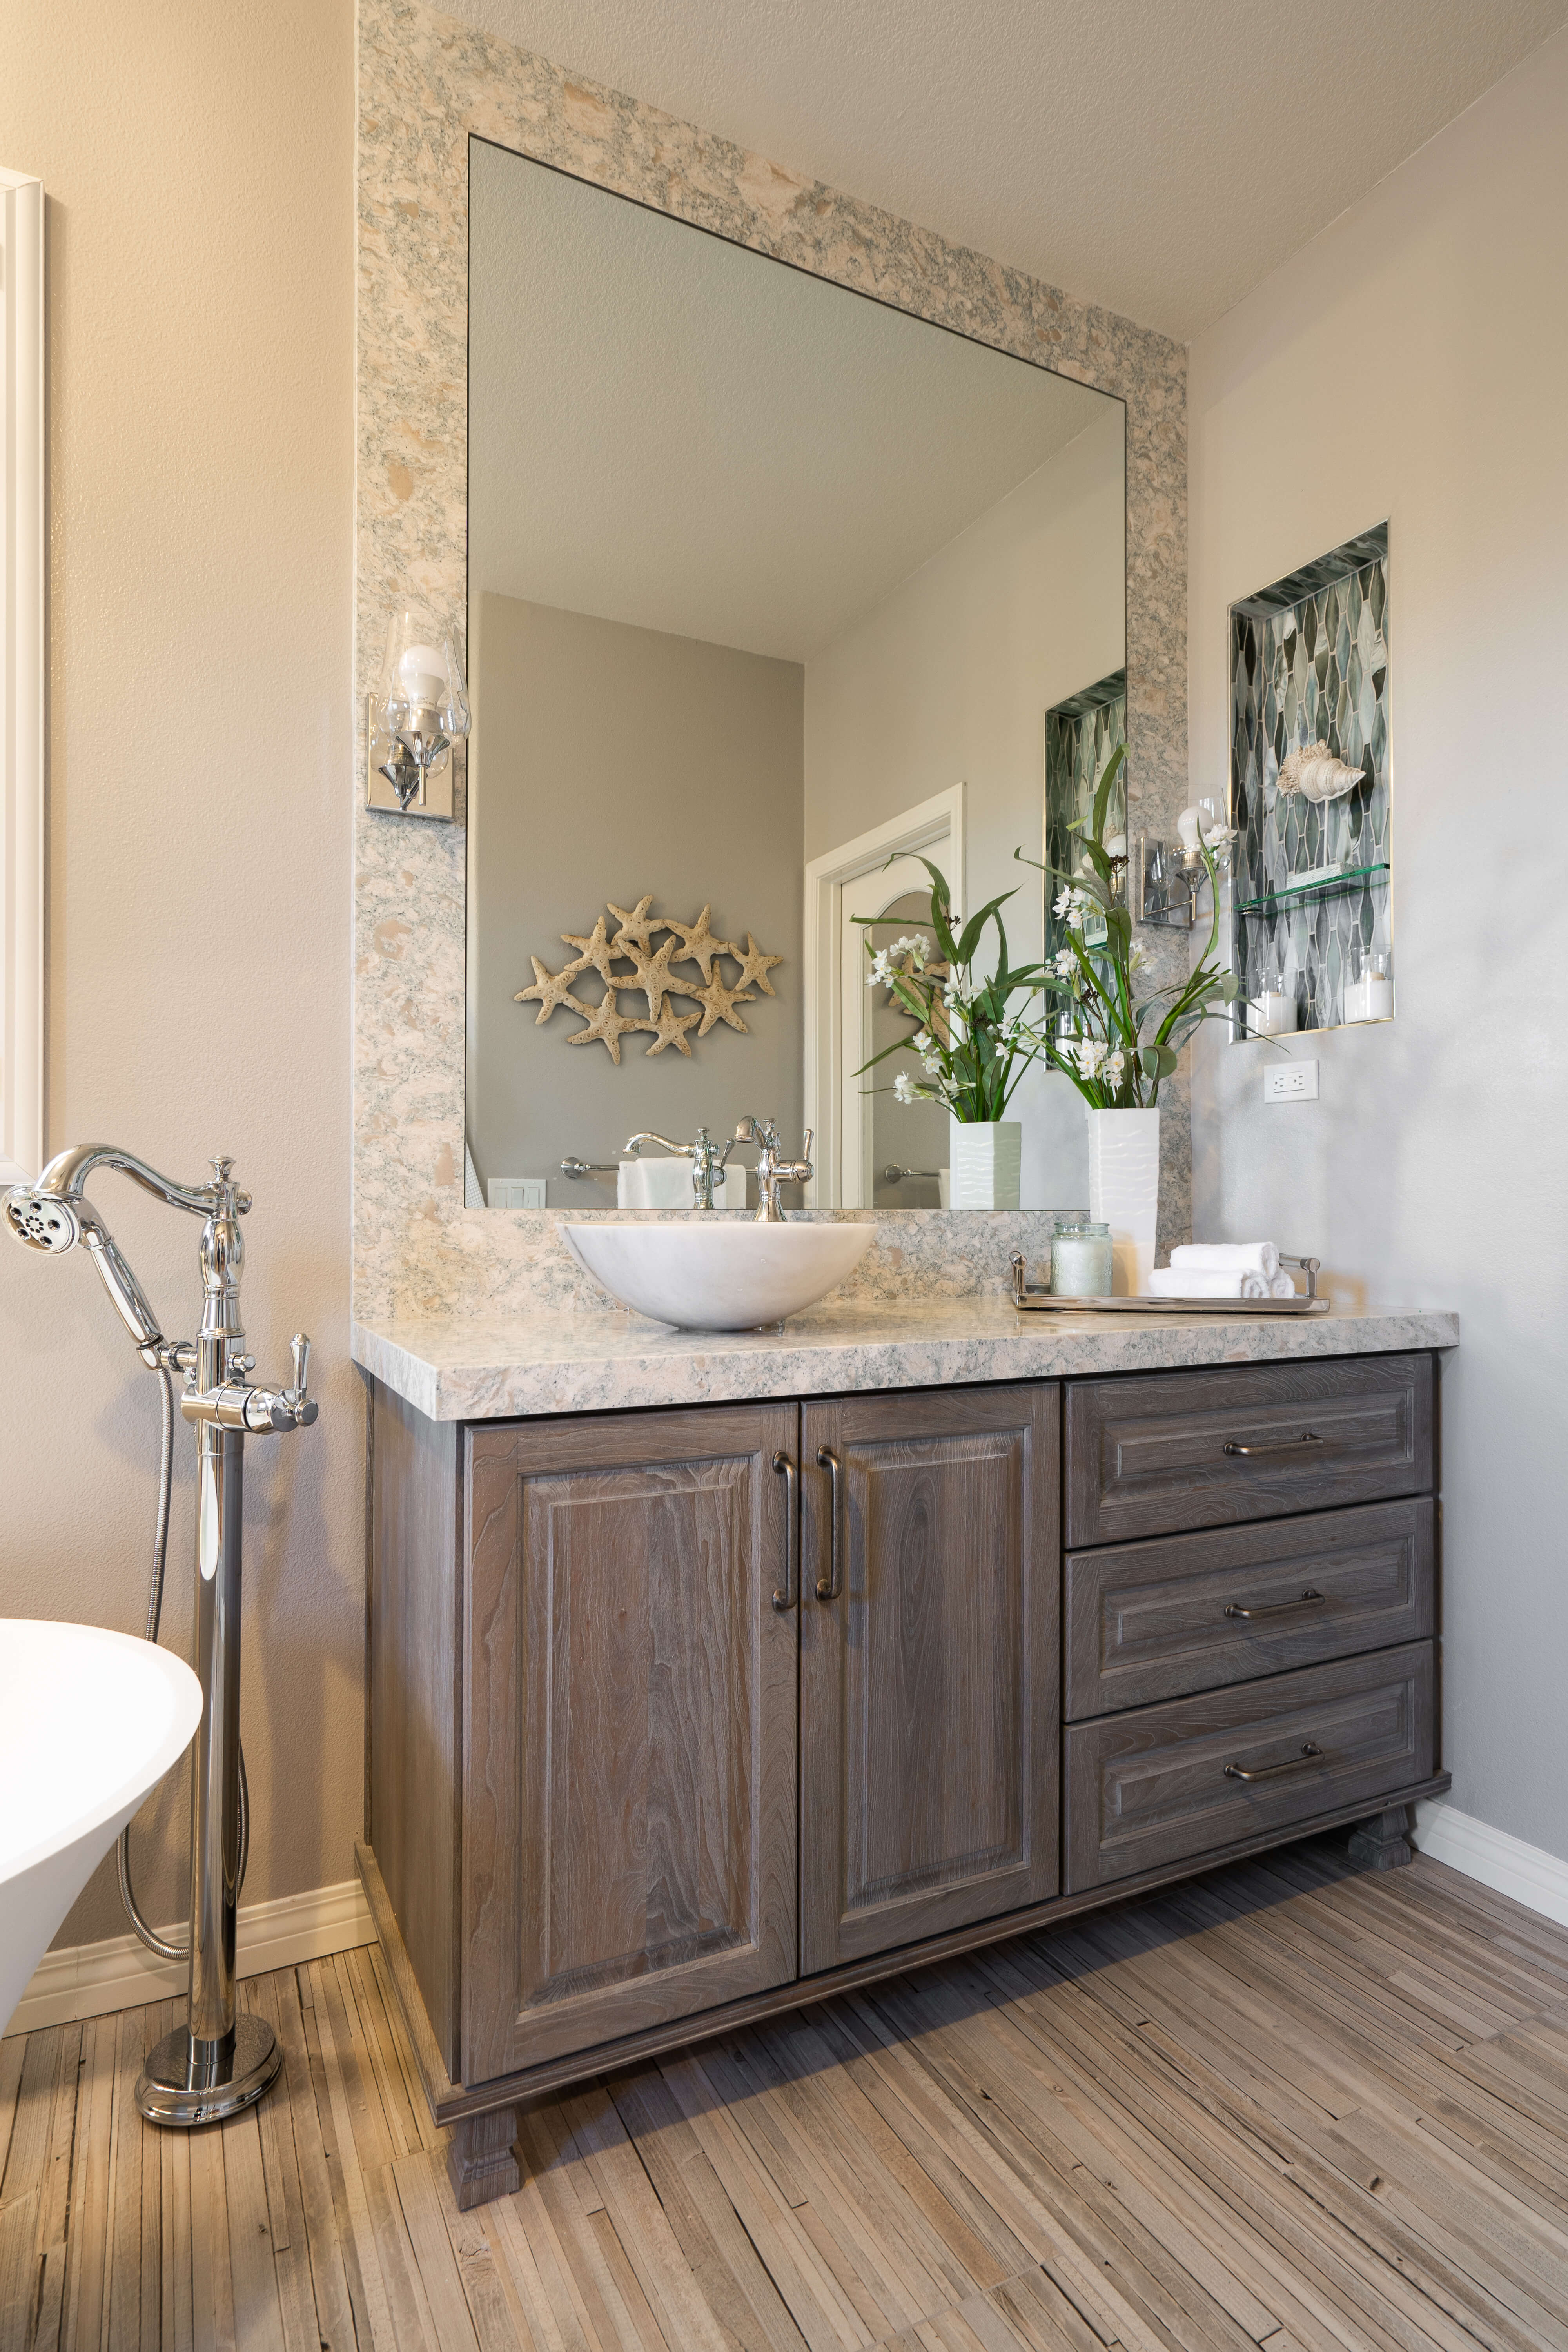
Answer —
629 1788
930 1671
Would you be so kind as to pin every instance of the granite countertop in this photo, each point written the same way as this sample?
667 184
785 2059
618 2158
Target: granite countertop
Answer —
478 1368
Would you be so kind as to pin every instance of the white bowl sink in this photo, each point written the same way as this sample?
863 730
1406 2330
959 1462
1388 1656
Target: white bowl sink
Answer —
89 1722
715 1274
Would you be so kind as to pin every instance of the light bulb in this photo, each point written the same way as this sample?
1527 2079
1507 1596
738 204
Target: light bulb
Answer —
422 677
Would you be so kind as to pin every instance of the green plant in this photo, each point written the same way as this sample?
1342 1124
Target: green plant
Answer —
970 1047
1114 1044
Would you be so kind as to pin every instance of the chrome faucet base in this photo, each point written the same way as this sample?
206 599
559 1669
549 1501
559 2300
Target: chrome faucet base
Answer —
186 2083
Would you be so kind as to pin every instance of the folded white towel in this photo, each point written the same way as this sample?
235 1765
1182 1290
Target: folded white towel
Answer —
1201 1282
1229 1257
664 1183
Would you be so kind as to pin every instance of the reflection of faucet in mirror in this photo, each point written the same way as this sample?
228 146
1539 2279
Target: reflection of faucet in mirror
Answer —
773 1171
708 1162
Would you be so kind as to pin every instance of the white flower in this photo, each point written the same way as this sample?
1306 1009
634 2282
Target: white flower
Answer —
1064 964
1114 1067
904 1088
1090 1053
931 1065
1071 907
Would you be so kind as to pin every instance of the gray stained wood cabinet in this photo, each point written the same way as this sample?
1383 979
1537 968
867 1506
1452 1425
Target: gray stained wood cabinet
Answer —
673 1712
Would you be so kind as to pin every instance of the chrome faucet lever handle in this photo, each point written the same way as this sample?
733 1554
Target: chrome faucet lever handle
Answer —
300 1356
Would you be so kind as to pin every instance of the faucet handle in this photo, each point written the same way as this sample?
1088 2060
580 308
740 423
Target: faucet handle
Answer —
303 1407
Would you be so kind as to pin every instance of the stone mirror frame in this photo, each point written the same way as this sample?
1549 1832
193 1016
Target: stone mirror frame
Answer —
426 85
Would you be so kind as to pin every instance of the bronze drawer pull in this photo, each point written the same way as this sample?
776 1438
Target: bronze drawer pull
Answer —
828 1461
1309 1754
785 1600
1278 1444
1311 1599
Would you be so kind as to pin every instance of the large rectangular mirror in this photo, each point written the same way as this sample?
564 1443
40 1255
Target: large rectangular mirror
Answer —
773 590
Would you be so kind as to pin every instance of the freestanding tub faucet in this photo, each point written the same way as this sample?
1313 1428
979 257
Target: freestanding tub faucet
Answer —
218 2060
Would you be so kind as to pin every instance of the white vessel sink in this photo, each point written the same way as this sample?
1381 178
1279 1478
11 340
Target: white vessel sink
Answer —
713 1274
89 1722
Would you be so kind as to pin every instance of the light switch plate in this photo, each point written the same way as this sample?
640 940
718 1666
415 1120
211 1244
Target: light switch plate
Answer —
1292 1082
516 1192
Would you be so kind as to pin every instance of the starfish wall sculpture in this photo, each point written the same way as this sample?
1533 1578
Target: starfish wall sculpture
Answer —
626 959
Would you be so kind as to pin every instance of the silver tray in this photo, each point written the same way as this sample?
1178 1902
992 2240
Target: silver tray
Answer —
1030 1298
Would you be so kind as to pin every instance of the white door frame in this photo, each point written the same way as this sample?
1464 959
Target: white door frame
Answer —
936 822
22 559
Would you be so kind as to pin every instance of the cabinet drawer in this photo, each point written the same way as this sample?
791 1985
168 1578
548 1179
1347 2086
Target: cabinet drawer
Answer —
1159 1785
1152 1621
1179 1450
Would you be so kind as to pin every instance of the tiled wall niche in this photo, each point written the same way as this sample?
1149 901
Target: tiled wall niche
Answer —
1081 736
1309 663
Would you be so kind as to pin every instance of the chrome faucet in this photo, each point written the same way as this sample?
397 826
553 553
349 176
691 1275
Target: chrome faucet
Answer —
773 1171
708 1162
218 2060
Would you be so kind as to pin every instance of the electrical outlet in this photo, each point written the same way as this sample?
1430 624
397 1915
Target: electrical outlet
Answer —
517 1192
1292 1082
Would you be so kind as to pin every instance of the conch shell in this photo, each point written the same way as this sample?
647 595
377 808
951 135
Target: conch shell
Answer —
1313 770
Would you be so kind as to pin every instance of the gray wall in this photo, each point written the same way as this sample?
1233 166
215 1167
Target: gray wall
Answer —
608 761
1431 1168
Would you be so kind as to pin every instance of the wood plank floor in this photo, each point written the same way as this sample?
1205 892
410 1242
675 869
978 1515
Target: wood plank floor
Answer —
1285 2105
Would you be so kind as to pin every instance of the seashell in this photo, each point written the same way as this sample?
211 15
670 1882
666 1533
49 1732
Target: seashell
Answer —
1314 771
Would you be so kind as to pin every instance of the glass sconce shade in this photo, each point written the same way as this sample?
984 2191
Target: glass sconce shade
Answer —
422 695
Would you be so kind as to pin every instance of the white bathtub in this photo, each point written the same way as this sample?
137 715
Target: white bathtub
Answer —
89 1722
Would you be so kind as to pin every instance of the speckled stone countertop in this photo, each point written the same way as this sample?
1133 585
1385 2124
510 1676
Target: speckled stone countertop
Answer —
473 1368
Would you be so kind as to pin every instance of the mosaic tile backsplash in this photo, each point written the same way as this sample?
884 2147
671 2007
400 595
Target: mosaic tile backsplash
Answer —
1310 664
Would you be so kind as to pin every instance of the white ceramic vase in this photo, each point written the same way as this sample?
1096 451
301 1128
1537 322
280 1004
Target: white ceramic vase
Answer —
1124 1190
985 1163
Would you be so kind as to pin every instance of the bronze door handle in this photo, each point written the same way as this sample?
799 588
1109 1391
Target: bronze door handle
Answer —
1311 1599
828 1461
1276 1445
782 1461
1310 1754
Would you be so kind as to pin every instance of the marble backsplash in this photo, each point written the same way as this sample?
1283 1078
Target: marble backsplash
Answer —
426 85
493 1263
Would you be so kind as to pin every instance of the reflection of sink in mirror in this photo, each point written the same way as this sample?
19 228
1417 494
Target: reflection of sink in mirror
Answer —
758 567
706 1275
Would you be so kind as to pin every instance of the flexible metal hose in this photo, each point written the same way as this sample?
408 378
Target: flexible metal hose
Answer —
150 1936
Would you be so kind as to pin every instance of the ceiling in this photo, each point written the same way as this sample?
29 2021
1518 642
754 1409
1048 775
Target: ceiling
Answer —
1158 157
668 430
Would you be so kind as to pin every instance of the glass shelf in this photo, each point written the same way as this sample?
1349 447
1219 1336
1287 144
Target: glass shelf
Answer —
1292 893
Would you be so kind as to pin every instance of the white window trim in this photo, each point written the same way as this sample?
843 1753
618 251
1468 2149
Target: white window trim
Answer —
22 591
938 822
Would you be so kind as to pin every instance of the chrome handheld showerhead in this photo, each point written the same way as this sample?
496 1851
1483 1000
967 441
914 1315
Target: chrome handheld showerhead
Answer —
42 1220
46 1219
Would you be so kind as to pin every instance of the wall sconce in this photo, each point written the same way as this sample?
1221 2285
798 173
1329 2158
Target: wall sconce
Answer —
1169 878
417 716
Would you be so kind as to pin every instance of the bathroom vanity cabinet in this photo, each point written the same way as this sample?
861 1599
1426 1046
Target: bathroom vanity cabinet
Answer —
679 1715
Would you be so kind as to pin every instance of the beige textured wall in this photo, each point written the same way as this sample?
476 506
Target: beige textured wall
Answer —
1430 1170
198 161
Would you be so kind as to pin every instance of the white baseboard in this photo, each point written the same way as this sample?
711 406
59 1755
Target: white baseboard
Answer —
93 1979
1504 1863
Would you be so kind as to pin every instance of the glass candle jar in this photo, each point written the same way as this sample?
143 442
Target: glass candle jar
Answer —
1081 1259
